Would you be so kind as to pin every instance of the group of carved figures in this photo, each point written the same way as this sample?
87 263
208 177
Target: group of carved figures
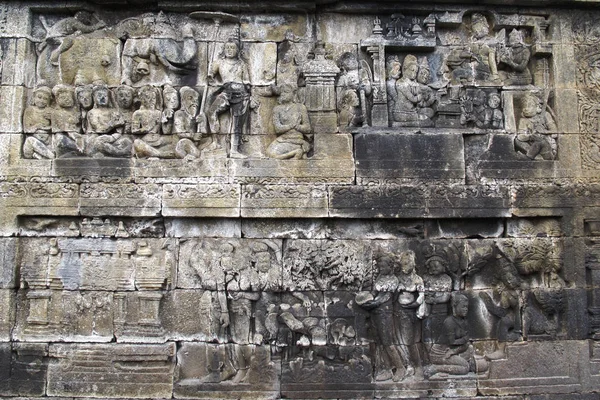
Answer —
465 83
94 118
244 305
97 121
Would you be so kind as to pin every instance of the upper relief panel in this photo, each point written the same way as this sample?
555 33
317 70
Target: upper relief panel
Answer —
279 105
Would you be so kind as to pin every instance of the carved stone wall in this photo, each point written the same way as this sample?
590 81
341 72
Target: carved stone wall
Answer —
330 199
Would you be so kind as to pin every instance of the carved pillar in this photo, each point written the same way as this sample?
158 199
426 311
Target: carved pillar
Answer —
38 307
120 312
148 308
379 112
320 91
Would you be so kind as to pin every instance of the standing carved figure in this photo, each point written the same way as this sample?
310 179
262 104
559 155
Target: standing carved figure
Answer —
476 63
516 59
408 310
233 95
380 303
356 77
291 123
394 70
237 301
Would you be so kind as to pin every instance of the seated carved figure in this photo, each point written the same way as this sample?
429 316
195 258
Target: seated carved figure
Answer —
104 127
66 123
291 123
37 121
124 97
185 125
452 353
147 122
408 110
534 122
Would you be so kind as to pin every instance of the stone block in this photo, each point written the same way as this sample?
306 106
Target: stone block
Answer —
97 264
332 229
23 369
18 67
532 368
71 316
226 371
396 157
246 264
116 167
464 228
337 146
111 370
99 199
284 201
36 198
273 171
468 201
533 227
8 260
201 200
205 227
377 201
13 103
7 313
554 196
209 170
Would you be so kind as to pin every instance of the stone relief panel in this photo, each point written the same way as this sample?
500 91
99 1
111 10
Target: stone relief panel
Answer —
301 204
193 88
586 36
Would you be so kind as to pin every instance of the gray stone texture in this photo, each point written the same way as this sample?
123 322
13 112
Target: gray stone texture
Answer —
306 199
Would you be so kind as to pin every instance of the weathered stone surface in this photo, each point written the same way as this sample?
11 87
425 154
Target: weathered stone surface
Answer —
97 264
205 227
280 201
301 200
7 315
12 105
523 356
8 277
119 370
23 369
430 157
18 62
121 199
216 200
209 370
